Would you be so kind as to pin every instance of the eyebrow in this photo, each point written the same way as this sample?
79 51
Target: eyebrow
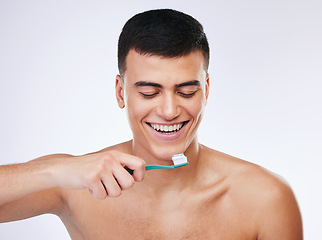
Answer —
153 84
149 84
189 83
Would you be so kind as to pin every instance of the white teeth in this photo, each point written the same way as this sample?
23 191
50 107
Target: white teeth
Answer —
166 128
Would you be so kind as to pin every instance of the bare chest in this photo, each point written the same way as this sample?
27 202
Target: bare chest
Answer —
128 219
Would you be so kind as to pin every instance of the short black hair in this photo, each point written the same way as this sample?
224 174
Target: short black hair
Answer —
162 32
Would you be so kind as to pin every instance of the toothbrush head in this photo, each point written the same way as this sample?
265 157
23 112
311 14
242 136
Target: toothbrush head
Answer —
179 159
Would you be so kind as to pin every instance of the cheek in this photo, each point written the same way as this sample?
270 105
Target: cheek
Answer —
136 110
196 109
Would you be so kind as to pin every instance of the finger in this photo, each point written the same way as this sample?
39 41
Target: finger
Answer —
134 163
138 174
123 178
112 187
98 190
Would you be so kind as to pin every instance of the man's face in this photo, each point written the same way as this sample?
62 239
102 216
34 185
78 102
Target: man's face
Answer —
165 99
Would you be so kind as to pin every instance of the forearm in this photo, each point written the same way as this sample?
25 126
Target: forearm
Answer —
20 180
102 173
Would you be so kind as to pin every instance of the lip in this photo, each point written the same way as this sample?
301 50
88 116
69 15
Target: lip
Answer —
164 136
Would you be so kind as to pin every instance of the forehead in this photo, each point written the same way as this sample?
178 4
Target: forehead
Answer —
164 70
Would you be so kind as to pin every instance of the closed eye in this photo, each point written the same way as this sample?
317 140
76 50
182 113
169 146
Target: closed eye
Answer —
188 89
187 95
148 96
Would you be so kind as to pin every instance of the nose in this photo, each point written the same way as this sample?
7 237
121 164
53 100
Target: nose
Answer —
169 108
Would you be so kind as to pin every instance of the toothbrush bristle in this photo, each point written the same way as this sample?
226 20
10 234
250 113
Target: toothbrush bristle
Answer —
179 159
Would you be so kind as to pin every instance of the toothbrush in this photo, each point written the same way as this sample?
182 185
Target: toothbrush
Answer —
179 160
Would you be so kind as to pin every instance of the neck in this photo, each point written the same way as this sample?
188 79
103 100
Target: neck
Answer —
159 181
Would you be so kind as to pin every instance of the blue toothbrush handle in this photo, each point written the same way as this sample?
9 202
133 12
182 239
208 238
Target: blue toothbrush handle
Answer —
129 170
150 167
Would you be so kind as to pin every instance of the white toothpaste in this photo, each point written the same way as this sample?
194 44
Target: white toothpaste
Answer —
179 159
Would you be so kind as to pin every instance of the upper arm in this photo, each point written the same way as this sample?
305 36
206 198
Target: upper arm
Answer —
279 216
47 201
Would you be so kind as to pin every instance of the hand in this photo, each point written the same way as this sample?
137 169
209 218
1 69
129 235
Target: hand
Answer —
102 173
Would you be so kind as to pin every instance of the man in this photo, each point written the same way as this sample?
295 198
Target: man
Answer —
164 84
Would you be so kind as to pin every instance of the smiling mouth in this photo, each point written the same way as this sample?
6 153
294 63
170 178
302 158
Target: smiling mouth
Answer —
167 129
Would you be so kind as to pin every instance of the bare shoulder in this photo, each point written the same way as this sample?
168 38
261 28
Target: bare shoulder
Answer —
246 176
262 195
122 147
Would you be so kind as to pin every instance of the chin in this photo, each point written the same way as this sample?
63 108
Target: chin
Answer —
166 152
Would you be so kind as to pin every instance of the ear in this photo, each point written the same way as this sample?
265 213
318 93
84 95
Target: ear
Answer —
207 87
119 91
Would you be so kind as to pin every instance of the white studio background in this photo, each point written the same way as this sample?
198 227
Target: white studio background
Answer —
58 67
